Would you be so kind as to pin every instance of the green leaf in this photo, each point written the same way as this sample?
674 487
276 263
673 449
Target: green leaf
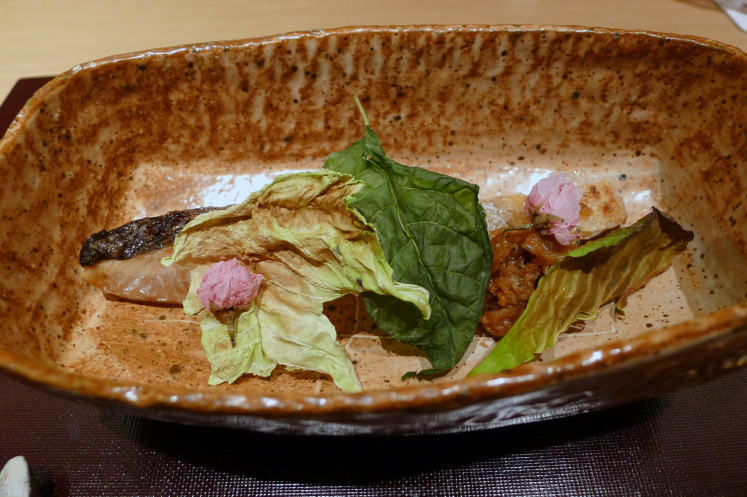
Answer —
231 360
310 248
602 271
433 232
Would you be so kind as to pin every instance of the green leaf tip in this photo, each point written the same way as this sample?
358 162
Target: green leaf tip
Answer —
362 111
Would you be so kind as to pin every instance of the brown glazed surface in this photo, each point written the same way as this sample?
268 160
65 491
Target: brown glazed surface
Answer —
662 118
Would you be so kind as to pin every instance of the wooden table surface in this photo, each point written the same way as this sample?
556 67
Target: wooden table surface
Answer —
44 37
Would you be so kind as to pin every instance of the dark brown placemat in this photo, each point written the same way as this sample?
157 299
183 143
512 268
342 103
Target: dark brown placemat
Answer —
690 443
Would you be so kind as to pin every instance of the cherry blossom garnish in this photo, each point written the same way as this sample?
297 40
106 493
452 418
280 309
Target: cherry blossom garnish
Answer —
554 205
226 290
227 285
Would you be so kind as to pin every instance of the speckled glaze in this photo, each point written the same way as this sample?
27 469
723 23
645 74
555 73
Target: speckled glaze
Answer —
663 118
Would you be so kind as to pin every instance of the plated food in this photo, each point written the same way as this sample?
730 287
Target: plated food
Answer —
413 243
139 135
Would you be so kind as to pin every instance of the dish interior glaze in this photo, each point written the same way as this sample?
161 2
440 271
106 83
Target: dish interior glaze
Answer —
662 118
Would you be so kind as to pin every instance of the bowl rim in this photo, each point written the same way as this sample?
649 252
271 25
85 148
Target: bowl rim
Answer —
58 81
529 377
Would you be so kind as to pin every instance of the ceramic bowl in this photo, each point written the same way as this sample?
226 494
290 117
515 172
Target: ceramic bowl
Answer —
662 118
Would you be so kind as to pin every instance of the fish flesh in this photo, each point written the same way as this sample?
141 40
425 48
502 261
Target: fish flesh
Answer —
125 262
141 278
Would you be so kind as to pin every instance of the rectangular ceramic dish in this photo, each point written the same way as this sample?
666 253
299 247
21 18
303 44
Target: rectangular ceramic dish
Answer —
662 118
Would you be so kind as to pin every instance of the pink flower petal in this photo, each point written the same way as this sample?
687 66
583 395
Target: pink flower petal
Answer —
563 235
227 284
557 196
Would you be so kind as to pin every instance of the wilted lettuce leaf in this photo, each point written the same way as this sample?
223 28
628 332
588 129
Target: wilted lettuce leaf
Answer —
602 271
310 248
434 235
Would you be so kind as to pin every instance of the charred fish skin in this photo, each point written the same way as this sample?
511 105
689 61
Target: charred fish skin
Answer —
137 237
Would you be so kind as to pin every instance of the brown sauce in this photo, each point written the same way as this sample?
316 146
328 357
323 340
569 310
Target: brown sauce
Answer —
520 257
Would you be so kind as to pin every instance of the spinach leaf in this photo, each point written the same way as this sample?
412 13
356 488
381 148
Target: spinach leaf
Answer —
433 232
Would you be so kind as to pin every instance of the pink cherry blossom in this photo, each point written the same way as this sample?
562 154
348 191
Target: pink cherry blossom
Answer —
555 204
227 284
